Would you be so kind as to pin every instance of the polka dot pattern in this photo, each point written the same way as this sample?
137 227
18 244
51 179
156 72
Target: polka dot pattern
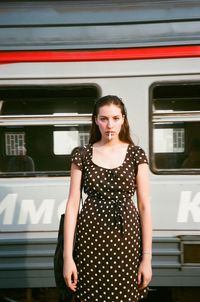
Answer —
108 240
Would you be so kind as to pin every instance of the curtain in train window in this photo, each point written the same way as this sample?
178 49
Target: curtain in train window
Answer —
40 126
175 115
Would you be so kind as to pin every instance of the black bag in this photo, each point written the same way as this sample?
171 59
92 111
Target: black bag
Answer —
65 294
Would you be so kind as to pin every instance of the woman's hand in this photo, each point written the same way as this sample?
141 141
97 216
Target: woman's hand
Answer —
144 272
70 273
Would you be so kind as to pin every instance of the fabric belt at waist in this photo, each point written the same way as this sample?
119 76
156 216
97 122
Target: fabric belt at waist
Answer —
119 208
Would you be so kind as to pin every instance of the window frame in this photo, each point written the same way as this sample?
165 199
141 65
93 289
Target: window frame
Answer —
178 116
55 119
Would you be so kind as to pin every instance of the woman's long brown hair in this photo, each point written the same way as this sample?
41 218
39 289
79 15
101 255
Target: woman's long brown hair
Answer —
95 134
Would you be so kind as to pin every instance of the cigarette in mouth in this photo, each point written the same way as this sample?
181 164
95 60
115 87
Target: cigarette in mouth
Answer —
110 135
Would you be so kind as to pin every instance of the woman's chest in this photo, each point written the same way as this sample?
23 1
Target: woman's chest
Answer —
121 178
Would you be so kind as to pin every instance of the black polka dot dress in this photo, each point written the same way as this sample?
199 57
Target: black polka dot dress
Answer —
108 240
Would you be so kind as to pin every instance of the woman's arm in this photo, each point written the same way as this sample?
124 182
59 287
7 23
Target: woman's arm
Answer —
143 198
72 208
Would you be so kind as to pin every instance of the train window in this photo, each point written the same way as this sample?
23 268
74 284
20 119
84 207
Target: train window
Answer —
40 125
175 124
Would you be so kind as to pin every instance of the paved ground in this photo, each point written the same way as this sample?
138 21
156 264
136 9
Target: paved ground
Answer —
51 295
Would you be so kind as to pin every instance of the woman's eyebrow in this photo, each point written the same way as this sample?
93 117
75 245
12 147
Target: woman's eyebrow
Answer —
117 115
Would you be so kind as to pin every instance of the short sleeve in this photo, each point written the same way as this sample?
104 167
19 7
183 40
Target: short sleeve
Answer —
140 156
76 157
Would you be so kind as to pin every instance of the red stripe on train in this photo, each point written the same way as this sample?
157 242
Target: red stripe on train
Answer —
100 55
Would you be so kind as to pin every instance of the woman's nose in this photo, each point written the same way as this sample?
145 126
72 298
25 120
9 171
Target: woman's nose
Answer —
109 124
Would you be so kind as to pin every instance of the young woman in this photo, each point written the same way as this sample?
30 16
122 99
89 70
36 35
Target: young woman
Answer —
111 260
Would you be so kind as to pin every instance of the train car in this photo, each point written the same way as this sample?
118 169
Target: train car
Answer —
56 59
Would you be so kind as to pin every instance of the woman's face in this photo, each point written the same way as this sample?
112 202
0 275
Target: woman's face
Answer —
109 121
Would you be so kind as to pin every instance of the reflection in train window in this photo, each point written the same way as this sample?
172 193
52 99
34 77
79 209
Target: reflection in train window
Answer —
175 135
40 126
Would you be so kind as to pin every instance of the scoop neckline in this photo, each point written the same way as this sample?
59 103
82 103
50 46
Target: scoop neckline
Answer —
91 154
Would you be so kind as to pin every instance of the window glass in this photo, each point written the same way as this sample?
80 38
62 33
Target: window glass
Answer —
65 141
13 142
169 139
175 116
40 126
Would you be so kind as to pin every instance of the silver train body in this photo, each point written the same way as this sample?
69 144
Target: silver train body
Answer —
162 97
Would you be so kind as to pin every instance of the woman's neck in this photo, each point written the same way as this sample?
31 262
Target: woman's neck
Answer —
109 143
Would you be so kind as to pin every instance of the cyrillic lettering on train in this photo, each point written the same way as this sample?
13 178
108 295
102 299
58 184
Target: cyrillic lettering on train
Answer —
5 208
189 206
44 211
